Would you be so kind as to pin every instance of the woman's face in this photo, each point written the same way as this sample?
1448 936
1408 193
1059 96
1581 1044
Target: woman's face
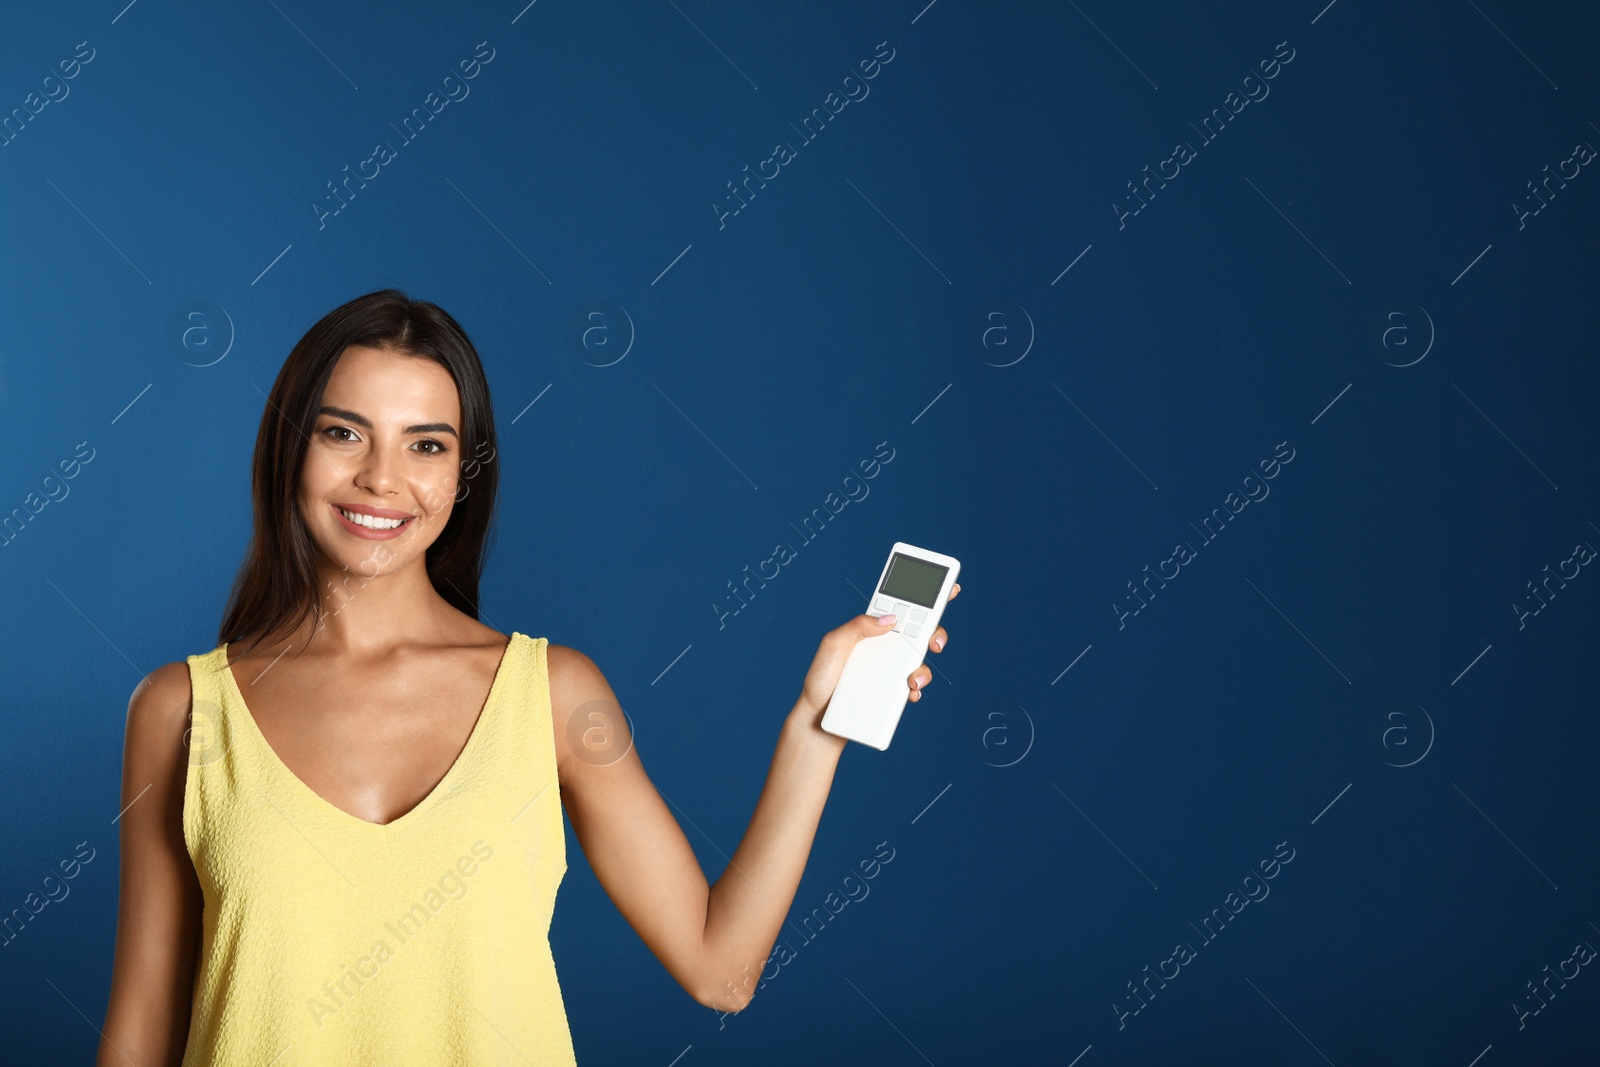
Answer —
386 447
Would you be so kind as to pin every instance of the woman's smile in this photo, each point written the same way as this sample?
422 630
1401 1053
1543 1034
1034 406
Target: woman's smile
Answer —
373 524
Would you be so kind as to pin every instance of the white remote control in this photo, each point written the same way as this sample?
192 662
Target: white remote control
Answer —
872 690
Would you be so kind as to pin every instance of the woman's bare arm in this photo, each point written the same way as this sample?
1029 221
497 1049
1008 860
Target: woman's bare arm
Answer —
159 902
713 940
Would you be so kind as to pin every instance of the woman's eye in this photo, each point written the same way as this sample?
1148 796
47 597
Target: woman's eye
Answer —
334 430
438 447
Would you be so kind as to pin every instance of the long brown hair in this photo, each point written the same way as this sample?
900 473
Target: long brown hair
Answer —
276 587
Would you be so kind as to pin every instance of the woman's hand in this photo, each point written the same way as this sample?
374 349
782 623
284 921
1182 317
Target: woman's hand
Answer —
823 675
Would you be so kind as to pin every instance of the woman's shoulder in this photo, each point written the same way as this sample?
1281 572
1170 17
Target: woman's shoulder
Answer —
591 727
166 694
570 668
167 683
158 715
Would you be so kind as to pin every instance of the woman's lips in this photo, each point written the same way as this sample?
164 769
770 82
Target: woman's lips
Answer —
367 532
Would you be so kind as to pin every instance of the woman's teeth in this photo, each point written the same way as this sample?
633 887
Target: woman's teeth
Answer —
372 522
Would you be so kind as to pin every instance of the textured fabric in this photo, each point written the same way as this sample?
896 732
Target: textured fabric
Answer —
331 940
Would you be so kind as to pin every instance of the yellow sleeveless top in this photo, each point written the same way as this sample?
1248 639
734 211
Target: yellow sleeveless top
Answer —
331 940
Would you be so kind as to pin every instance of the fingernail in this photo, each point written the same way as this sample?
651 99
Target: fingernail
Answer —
916 683
940 643
886 620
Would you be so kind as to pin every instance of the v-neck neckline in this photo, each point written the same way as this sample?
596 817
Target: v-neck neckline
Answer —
317 799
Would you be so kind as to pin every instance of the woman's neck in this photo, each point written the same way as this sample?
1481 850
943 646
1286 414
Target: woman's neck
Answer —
364 616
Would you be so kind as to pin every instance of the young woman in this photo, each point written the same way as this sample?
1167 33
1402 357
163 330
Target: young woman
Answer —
342 832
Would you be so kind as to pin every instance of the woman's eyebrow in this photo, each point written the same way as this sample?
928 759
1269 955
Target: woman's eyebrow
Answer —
346 414
433 427
362 420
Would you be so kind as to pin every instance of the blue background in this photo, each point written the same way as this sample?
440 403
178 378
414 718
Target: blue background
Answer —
903 280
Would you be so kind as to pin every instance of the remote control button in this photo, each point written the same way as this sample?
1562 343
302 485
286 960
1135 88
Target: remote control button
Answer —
913 630
882 605
901 609
917 614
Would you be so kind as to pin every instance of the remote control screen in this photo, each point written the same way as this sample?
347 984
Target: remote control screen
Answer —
913 580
